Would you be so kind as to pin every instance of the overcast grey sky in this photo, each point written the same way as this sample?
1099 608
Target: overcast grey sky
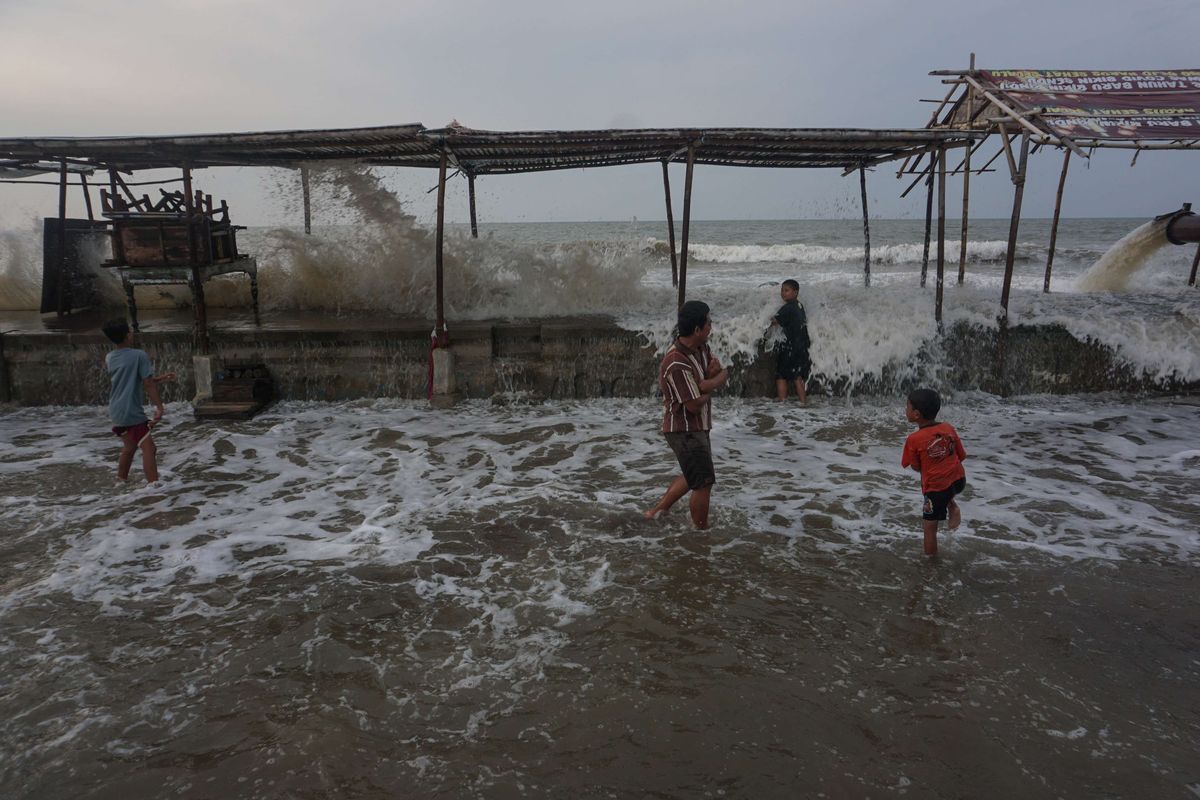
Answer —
76 68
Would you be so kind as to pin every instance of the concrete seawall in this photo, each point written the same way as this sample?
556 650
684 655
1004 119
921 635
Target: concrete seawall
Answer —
555 359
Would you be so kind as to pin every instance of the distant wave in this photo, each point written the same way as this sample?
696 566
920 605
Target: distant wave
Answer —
982 252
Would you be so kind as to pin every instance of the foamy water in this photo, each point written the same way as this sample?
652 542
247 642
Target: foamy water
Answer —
379 598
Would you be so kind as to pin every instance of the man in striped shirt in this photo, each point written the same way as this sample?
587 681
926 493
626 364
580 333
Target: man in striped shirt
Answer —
688 376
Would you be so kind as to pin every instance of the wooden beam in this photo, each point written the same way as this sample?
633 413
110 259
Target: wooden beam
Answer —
928 227
1195 264
1062 180
941 236
670 226
440 324
199 306
305 190
966 204
687 219
471 203
87 197
862 182
63 307
1013 226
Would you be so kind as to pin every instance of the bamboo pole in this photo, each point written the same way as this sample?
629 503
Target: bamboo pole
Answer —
199 306
471 202
966 205
304 188
1013 226
61 282
928 227
941 236
687 219
87 197
440 325
1062 180
862 183
1195 264
670 225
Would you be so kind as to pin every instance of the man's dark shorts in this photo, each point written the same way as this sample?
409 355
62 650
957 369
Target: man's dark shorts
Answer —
937 502
792 363
695 457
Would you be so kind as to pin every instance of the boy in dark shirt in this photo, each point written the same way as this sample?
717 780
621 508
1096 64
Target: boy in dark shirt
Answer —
791 354
936 451
130 371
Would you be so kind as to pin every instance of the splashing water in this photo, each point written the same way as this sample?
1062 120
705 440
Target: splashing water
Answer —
1115 268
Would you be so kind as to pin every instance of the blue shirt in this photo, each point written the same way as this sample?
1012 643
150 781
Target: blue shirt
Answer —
127 367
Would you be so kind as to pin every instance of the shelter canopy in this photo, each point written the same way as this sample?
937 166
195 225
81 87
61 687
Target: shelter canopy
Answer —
1158 109
481 152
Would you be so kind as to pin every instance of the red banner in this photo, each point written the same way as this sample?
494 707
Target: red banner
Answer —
1087 104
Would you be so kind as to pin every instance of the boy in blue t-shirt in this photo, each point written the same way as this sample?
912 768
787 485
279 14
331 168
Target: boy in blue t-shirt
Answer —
130 371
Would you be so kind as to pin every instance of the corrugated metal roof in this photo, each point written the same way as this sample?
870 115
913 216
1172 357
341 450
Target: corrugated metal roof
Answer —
481 152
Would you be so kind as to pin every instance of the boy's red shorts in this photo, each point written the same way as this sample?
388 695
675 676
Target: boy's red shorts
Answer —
139 431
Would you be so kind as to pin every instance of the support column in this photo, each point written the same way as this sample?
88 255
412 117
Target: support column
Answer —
941 235
87 197
305 190
1195 264
928 223
1014 225
670 226
862 182
966 203
442 387
471 199
61 282
687 219
199 308
1062 180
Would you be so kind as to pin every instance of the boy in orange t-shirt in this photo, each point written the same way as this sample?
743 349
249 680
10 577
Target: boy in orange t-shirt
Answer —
934 450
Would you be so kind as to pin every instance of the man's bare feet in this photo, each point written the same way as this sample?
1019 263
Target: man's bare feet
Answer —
653 513
954 517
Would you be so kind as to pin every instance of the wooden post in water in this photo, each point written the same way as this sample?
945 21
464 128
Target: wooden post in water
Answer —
1062 180
1014 225
199 307
670 226
941 235
687 218
440 325
962 247
862 183
1195 264
471 202
928 225
304 188
61 282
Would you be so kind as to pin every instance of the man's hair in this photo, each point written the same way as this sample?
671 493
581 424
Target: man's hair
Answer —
692 316
116 330
926 402
792 284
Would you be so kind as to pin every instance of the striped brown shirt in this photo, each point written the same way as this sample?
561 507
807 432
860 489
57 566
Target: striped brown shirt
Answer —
679 378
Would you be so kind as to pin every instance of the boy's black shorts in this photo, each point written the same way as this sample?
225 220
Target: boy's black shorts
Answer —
791 364
936 502
695 457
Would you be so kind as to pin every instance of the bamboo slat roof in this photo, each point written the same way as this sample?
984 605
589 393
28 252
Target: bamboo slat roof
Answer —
480 152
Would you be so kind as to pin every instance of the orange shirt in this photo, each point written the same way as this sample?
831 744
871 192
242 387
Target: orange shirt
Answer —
936 452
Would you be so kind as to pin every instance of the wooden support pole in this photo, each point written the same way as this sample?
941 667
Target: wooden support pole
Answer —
87 197
1062 180
306 191
928 226
941 236
1195 264
1013 226
471 202
440 325
687 219
862 183
966 204
63 306
199 307
670 225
